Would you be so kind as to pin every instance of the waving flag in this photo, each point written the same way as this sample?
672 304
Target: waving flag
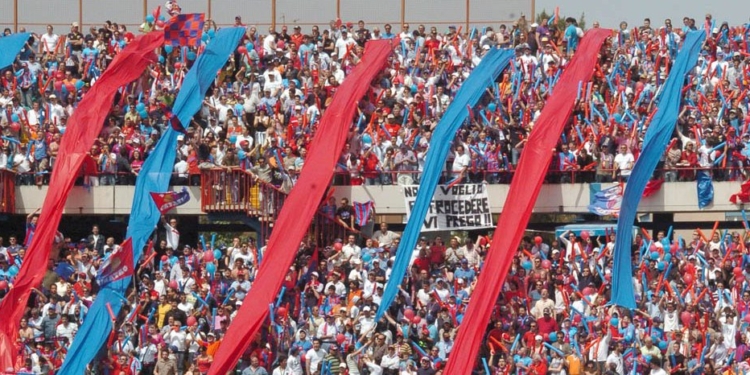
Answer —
363 211
118 265
171 199
705 186
607 201
743 196
185 30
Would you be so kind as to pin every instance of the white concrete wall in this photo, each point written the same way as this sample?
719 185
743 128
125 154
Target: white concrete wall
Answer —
678 197
100 200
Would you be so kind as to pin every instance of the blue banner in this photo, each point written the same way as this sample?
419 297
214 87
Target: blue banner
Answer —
657 138
144 216
705 186
471 91
10 46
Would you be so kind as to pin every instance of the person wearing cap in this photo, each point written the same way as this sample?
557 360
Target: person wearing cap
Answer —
333 360
344 44
75 39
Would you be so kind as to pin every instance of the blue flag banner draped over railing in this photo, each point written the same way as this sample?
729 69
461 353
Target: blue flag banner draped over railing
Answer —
10 46
705 187
154 177
657 138
471 91
607 201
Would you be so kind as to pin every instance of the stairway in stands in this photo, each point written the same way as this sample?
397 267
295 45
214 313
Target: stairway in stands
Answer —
235 191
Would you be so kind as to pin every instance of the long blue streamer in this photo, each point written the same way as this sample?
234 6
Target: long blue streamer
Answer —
469 94
154 177
10 46
657 138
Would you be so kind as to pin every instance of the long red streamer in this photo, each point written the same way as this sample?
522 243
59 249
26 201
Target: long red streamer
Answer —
300 207
520 201
84 126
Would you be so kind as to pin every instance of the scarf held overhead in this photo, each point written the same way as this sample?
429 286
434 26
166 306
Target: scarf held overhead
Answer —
144 215
520 200
83 128
492 64
656 141
300 206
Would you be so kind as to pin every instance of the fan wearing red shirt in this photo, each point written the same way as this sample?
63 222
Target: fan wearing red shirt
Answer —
437 252
121 365
529 338
539 366
546 323
370 164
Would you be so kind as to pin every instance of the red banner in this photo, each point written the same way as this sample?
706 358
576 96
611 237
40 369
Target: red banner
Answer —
300 207
520 200
83 128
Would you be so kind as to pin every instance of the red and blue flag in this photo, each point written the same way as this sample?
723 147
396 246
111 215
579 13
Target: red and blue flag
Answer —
171 199
185 30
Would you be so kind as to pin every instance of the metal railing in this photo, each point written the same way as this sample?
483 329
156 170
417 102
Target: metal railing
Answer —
554 176
232 190
7 191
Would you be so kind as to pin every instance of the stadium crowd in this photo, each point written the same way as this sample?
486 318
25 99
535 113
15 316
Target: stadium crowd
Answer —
267 102
553 316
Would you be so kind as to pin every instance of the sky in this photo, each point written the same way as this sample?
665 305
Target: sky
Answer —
609 13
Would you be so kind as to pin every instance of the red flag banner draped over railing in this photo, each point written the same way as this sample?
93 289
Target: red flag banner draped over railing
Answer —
743 196
83 128
520 201
652 187
300 206
118 265
171 199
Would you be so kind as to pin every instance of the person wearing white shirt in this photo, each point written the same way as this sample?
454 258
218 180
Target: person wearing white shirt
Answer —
123 345
34 115
66 329
624 162
282 368
366 321
269 42
343 44
293 363
351 251
314 356
172 234
390 360
48 41
461 161
177 338
615 359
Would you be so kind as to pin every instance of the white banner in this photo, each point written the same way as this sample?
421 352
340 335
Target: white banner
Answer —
463 207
